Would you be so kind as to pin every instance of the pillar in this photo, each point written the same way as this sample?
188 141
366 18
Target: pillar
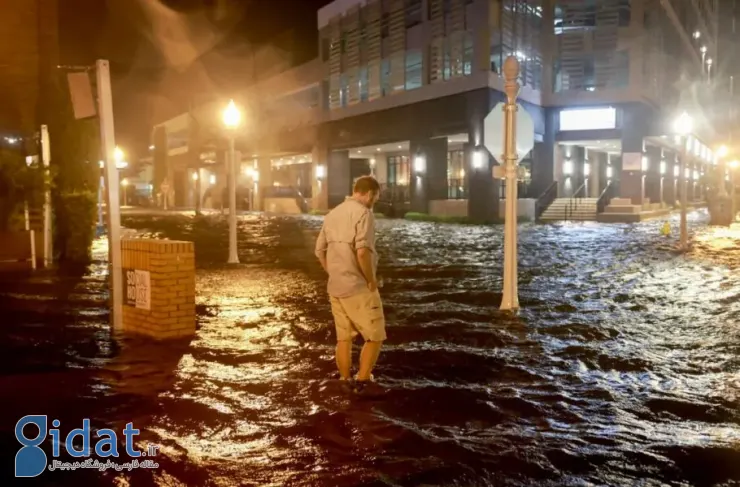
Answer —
338 178
594 177
264 169
380 169
483 189
428 182
653 178
319 190
632 183
670 181
573 160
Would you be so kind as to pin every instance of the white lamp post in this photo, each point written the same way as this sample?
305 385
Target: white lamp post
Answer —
683 126
232 119
124 183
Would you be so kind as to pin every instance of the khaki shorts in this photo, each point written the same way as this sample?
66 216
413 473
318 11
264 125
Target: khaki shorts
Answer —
362 313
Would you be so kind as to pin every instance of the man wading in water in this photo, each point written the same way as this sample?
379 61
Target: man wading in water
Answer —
346 250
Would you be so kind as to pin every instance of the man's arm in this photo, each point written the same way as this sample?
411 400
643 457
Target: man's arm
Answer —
364 245
321 247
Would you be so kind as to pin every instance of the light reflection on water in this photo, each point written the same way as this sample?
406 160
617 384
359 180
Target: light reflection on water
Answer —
621 366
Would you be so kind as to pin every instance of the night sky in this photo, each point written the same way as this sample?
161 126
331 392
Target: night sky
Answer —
164 52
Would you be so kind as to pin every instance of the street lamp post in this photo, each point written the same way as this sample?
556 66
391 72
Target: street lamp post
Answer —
683 127
232 119
124 183
733 170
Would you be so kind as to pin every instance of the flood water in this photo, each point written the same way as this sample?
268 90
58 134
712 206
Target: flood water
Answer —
622 367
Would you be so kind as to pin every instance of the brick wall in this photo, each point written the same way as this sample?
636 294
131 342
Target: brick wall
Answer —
171 266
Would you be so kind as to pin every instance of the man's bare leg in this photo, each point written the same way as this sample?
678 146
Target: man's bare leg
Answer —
368 357
344 359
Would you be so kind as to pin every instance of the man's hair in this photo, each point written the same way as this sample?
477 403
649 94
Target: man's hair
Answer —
365 184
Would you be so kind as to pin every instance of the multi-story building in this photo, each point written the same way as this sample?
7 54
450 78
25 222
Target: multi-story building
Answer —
402 87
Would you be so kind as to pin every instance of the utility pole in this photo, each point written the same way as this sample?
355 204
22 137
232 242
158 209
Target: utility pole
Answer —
46 158
108 144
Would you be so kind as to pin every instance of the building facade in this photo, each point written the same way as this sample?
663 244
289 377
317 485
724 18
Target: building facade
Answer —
401 88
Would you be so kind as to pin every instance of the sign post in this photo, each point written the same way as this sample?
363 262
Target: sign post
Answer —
509 139
46 158
108 144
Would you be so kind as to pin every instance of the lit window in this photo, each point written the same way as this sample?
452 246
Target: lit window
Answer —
414 66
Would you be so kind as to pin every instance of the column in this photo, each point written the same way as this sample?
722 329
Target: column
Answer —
483 189
594 176
690 192
558 170
653 178
319 173
429 175
632 184
338 178
264 169
380 168
670 181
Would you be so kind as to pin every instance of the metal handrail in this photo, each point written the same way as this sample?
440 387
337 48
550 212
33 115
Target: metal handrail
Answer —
546 199
573 200
601 202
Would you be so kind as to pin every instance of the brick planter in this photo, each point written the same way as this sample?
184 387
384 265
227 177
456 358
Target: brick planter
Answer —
158 288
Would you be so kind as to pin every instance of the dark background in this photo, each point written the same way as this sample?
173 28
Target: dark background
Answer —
164 53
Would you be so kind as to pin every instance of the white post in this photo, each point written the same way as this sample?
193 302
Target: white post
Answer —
108 143
510 299
46 157
33 236
684 231
233 254
101 186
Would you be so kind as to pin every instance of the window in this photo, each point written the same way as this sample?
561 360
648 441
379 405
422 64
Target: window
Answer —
343 90
413 69
385 25
399 171
385 77
625 13
413 13
456 175
364 93
467 54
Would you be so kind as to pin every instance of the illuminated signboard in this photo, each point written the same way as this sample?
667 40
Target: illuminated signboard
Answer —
588 119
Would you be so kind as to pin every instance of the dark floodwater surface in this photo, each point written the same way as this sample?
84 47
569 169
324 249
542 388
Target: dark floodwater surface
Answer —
621 369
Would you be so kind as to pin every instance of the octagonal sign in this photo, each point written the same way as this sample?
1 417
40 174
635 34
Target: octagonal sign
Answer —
493 129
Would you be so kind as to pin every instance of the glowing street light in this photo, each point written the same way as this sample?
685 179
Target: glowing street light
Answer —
232 118
118 157
683 126
722 151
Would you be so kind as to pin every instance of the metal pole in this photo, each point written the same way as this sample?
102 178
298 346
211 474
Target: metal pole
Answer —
510 299
32 234
46 157
108 143
101 187
684 189
233 255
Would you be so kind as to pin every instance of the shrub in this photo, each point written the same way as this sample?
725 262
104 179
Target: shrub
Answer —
75 229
